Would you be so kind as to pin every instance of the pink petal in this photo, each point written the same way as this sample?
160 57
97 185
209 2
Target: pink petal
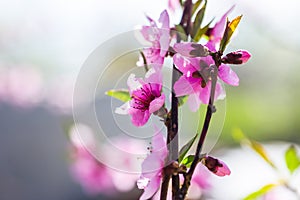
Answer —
154 76
201 177
164 19
142 182
220 92
159 145
219 28
194 102
164 41
123 110
157 103
152 187
139 117
152 165
133 83
186 65
228 76
205 93
153 57
184 48
189 49
185 86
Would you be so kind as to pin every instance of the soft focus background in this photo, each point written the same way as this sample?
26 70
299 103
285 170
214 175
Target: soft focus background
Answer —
43 45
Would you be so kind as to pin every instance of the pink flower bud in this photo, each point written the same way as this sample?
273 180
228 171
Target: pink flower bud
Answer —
216 166
236 57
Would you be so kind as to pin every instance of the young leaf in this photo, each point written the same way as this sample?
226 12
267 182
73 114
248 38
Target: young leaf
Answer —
181 32
182 100
198 20
291 159
229 30
260 192
201 31
257 147
195 6
183 151
122 94
261 151
187 161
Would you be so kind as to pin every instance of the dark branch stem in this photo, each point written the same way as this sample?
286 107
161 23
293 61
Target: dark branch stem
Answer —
172 141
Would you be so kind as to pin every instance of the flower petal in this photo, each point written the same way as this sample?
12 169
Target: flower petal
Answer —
185 86
142 182
164 19
194 102
154 76
159 145
190 49
123 110
152 165
139 117
152 187
227 75
220 92
133 83
186 65
205 93
218 30
157 103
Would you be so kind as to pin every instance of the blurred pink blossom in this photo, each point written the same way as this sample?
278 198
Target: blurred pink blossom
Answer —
21 85
94 176
173 5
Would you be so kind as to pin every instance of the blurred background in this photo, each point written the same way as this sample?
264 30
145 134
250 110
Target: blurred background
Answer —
43 45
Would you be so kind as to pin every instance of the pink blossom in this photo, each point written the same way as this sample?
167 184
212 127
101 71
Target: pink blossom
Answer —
146 97
93 176
21 86
152 167
159 39
195 81
216 166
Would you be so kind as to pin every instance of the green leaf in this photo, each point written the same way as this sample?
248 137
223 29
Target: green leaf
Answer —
201 31
256 146
181 32
229 30
195 6
198 20
187 161
291 159
260 192
122 94
183 151
182 100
